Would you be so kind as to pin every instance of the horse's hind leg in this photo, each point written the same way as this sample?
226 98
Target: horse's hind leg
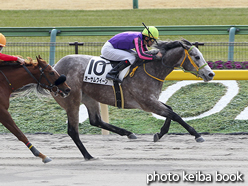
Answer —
8 122
95 119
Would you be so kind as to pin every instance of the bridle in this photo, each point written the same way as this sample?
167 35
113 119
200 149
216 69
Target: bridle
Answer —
52 87
186 52
196 73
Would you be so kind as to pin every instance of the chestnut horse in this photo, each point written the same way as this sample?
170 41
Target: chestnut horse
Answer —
13 77
140 89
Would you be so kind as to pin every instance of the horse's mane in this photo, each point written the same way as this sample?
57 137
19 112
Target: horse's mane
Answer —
164 46
28 62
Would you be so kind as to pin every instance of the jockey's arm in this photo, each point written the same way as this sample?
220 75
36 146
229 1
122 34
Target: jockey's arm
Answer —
140 50
5 57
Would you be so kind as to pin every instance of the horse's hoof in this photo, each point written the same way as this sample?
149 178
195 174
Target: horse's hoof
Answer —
155 137
132 136
91 159
46 159
199 139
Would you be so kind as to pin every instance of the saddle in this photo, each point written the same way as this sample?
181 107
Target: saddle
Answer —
96 72
9 63
113 63
136 63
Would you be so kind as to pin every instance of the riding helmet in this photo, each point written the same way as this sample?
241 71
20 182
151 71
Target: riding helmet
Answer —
152 33
2 40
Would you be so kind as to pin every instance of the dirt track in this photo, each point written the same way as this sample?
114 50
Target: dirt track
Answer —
120 161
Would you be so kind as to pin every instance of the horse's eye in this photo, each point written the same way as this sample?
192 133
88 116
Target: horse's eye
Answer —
197 57
51 73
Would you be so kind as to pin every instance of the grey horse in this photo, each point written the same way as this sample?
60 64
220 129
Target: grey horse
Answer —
141 91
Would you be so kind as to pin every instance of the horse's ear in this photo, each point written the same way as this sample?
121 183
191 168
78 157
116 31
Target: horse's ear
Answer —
38 58
187 42
182 45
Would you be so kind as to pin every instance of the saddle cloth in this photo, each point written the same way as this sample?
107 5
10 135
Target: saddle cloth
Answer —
98 68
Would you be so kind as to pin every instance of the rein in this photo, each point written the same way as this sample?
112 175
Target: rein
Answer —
144 66
162 80
7 80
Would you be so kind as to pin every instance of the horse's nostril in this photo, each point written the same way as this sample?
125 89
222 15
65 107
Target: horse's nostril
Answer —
211 75
68 90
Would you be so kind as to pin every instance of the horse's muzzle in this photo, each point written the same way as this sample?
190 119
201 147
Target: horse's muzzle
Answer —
65 93
208 76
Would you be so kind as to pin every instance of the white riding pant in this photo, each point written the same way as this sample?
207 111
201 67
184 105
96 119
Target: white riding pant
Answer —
111 53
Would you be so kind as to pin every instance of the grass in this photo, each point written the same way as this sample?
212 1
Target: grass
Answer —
45 115
44 18
164 17
193 101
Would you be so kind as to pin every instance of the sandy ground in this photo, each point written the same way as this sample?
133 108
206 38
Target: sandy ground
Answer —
117 4
124 162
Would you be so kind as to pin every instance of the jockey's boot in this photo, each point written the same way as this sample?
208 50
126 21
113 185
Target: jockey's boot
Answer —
113 74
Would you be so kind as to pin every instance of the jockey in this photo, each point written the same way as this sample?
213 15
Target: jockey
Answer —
5 57
119 48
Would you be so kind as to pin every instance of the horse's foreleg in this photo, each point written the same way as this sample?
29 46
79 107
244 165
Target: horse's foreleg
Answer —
165 111
73 121
45 159
73 133
71 106
191 130
165 128
8 122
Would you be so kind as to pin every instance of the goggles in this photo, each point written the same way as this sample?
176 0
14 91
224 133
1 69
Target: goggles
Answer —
152 40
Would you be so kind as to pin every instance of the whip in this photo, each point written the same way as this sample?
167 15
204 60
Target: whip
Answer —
149 32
